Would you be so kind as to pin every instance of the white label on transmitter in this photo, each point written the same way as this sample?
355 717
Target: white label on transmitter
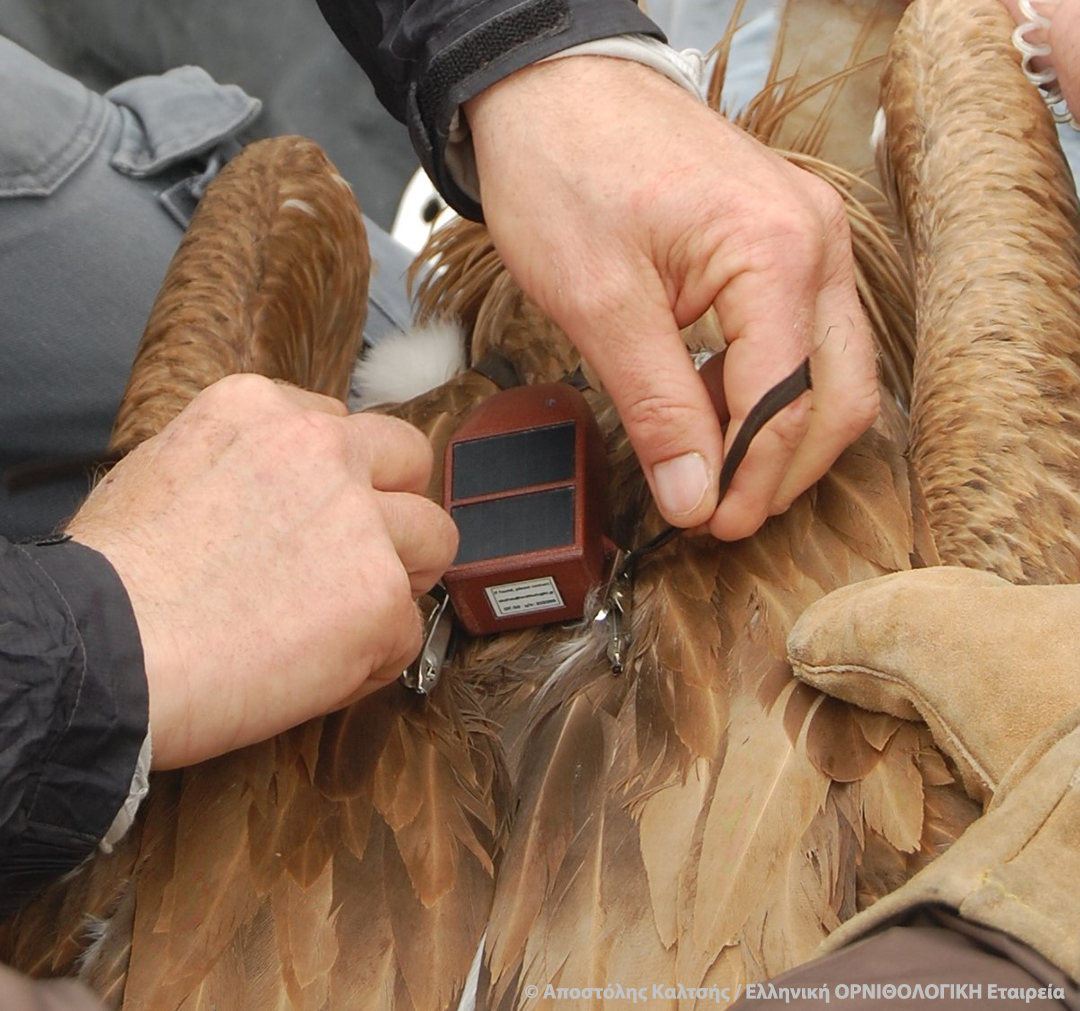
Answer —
508 599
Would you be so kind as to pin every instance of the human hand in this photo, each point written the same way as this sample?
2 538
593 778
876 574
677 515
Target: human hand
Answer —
272 549
1063 37
988 665
626 208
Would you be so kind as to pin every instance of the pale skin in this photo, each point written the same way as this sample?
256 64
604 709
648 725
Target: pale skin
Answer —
266 537
626 209
272 548
1064 40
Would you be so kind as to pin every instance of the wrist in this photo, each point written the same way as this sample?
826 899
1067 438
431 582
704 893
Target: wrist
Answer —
552 89
542 106
685 68
162 670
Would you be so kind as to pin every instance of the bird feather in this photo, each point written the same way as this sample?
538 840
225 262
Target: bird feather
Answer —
703 818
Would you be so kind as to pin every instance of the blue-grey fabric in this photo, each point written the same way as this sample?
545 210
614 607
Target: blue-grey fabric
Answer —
281 51
85 239
699 24
80 262
751 48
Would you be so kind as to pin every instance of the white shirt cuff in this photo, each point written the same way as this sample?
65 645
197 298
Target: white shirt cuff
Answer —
686 67
140 784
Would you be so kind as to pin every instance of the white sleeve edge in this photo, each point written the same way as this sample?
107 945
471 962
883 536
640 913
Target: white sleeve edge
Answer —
140 784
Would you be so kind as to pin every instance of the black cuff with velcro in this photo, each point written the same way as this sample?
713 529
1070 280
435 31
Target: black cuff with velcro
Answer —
498 40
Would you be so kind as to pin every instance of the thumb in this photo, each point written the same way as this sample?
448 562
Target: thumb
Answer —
668 415
986 664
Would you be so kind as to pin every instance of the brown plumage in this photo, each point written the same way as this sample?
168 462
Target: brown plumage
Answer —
1001 492
703 819
272 280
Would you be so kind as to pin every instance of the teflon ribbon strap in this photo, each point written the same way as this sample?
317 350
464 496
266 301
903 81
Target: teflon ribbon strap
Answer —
785 392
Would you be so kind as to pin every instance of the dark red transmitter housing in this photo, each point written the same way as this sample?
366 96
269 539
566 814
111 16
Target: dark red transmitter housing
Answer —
525 480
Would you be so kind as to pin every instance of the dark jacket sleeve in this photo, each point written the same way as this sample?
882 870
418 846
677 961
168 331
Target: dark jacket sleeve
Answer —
427 57
73 710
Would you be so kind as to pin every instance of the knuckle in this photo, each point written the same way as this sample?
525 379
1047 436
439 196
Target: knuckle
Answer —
790 426
317 435
793 232
241 390
834 217
827 202
590 302
436 542
787 432
444 538
404 628
660 422
789 239
411 639
394 437
865 409
858 411
393 594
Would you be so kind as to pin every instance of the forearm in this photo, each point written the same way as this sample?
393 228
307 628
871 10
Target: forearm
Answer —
73 699
427 57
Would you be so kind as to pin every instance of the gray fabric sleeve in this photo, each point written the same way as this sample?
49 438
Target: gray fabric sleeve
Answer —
95 191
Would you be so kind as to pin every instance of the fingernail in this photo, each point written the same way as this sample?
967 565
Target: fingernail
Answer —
681 483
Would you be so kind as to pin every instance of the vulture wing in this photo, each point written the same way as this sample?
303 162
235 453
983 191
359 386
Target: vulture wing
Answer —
703 819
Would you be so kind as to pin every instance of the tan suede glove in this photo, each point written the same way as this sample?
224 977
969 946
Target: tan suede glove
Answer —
988 665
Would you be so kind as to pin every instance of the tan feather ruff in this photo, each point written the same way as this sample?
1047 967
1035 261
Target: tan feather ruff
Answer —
703 819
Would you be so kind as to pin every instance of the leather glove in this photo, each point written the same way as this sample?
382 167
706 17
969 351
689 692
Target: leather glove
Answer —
994 669
988 665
